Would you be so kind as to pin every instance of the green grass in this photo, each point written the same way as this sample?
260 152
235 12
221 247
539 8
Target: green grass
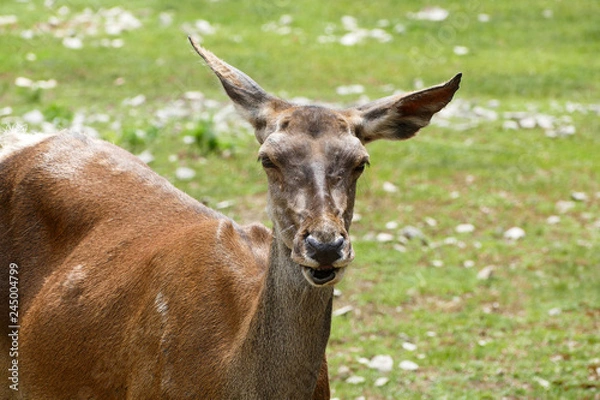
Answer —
531 329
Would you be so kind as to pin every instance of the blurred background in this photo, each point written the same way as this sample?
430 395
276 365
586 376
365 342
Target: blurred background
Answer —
478 242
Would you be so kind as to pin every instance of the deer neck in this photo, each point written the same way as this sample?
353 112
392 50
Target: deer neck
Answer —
287 337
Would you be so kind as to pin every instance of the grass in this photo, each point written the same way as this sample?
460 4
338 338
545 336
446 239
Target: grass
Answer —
530 330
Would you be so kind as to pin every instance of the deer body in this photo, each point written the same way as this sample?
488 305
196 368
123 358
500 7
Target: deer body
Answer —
131 289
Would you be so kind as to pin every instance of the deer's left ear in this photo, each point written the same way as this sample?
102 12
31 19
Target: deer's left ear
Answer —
401 117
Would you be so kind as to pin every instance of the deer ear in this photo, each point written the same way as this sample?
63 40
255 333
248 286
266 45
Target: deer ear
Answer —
401 117
250 99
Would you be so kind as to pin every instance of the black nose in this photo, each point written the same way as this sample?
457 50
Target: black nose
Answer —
324 253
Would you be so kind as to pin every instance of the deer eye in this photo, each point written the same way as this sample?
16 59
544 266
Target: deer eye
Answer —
361 167
267 162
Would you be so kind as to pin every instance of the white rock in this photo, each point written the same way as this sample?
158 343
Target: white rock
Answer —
34 117
514 233
486 273
510 125
351 39
344 370
49 84
579 196
430 14
342 311
563 206
382 381
350 89
224 204
384 237
465 228
8 19
135 101
383 23
117 43
542 382
528 122
409 346
553 220
485 113
451 241
382 363
23 82
431 222
286 19
437 263
400 28
408 365
391 225
184 173
547 13
380 35
204 27
483 18
165 18
27 34
545 121
554 311
566 130
400 248
461 50
468 263
72 43
355 380
349 22
410 232
390 187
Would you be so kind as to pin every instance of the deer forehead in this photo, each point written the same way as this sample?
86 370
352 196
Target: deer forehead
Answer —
314 122
312 133
330 152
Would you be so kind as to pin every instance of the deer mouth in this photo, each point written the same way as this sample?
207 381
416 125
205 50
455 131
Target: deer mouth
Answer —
325 275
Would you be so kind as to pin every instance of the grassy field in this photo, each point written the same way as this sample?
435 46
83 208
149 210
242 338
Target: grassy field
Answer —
498 296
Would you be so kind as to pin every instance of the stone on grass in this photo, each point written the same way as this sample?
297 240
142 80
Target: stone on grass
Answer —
184 173
355 380
514 233
408 365
382 363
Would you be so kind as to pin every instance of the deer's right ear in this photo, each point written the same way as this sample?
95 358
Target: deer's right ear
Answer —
255 105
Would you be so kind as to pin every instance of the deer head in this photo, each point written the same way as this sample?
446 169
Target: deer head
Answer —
313 157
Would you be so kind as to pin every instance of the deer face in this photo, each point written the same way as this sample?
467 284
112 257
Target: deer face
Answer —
313 157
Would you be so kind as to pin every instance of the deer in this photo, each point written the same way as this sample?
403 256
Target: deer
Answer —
128 288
